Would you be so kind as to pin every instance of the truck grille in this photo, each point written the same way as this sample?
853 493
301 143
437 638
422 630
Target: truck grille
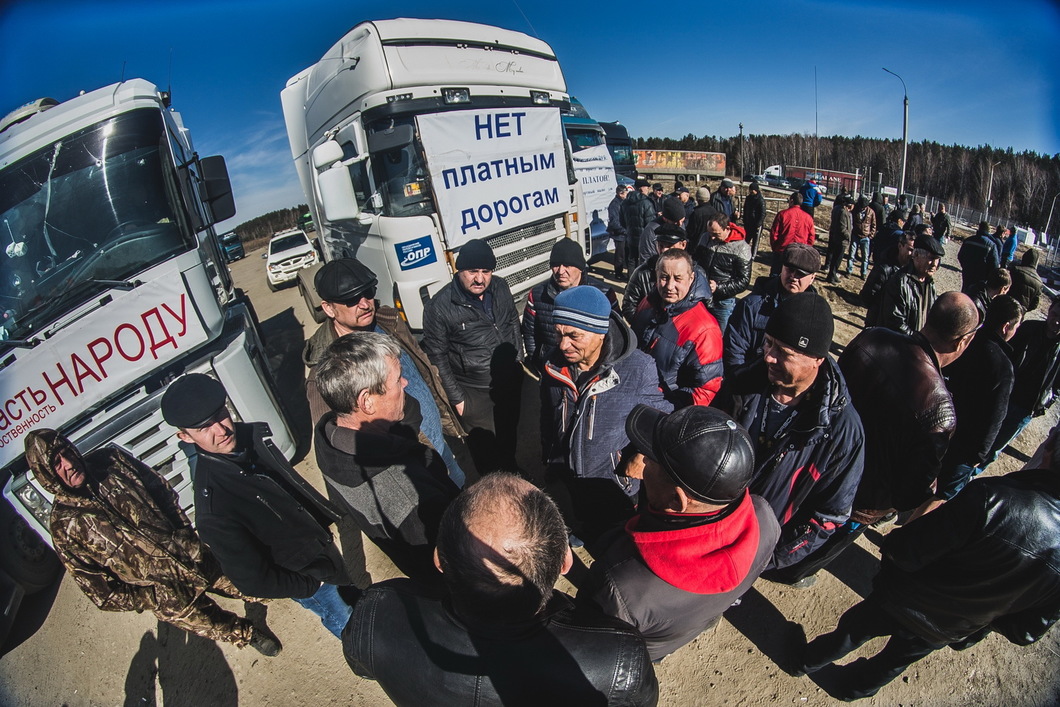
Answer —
533 251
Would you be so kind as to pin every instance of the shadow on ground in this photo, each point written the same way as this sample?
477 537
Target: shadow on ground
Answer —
187 670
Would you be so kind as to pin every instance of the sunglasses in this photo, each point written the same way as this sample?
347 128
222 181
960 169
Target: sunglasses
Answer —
362 295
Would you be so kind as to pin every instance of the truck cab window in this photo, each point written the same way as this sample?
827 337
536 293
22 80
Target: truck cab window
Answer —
399 169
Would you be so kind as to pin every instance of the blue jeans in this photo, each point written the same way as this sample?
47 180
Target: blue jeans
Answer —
951 481
329 606
722 310
431 426
856 243
1016 420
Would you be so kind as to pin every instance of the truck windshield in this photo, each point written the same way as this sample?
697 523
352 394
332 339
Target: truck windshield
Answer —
295 240
622 155
582 138
399 169
83 214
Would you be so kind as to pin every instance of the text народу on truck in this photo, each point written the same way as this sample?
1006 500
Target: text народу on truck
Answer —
411 137
113 283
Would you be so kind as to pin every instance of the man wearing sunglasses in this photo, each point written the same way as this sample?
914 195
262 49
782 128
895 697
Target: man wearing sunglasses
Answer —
746 333
347 290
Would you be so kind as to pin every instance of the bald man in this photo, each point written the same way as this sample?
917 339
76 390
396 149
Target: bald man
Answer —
896 386
501 547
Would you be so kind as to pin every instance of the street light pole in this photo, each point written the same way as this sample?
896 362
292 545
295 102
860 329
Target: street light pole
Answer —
743 167
990 192
905 131
1049 222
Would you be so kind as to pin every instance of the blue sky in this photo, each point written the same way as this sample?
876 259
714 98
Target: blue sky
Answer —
977 72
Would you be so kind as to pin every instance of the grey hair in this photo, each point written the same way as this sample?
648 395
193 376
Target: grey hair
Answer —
353 364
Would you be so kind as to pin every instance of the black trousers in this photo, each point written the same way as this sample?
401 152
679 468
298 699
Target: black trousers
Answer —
491 418
860 624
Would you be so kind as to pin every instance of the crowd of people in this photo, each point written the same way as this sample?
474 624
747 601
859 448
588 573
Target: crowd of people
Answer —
693 438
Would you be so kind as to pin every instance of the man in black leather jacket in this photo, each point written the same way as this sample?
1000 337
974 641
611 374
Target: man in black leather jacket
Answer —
503 635
471 333
988 560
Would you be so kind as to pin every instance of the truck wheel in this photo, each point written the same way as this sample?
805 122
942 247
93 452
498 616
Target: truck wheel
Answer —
272 287
23 555
314 310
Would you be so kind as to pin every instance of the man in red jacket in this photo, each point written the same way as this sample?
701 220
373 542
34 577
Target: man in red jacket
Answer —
792 225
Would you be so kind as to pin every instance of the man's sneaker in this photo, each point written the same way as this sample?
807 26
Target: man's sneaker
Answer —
264 643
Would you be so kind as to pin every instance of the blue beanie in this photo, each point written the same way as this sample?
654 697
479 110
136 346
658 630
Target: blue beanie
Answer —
583 307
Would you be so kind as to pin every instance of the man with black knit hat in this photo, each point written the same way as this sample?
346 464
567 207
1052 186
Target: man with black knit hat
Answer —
347 292
471 333
589 383
266 525
701 539
567 262
808 440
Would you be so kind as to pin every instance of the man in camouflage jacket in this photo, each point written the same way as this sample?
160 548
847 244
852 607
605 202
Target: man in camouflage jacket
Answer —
123 537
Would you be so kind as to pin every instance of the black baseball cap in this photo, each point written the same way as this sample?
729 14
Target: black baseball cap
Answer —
702 449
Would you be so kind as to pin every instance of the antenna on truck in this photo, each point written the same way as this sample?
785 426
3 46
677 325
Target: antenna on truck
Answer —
532 29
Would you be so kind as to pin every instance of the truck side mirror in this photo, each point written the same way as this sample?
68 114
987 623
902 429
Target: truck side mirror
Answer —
217 189
334 183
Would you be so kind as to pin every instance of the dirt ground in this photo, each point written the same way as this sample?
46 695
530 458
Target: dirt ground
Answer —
66 652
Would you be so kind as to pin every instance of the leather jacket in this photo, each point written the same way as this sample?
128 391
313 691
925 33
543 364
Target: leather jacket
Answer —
471 349
907 413
728 263
422 654
987 558
906 301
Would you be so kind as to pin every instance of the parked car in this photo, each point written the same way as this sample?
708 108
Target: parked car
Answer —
289 252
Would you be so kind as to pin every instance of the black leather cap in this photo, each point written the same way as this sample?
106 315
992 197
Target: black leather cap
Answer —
192 400
343 280
703 450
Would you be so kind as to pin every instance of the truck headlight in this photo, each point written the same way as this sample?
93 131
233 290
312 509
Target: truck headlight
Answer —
539 98
456 95
35 503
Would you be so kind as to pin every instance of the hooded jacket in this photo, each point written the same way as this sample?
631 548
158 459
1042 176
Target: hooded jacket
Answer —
122 534
727 263
539 330
395 488
673 575
686 342
810 472
583 426
1027 285
988 558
